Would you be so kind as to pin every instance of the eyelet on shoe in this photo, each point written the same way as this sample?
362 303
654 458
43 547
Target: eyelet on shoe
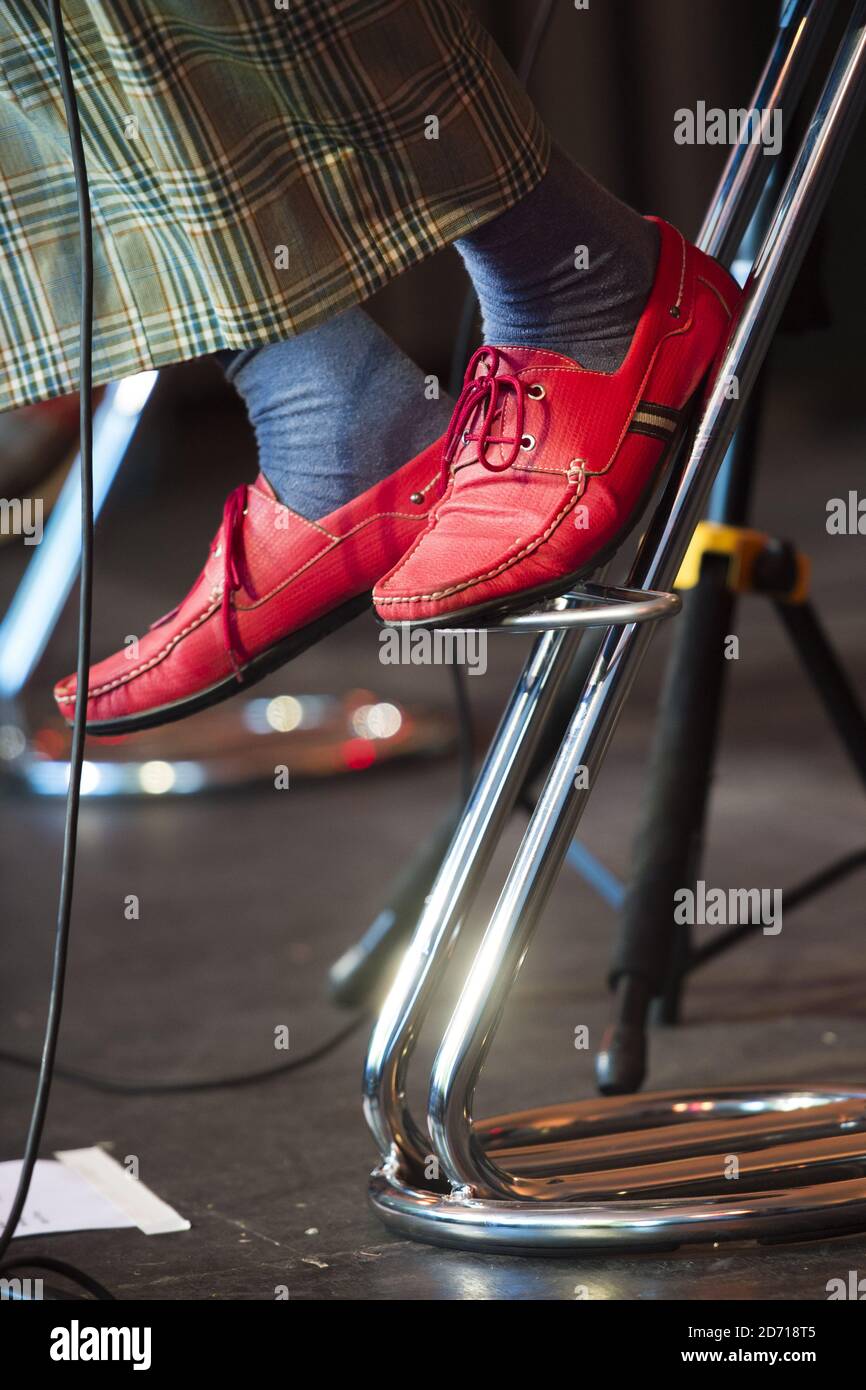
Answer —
417 498
674 311
536 391
527 442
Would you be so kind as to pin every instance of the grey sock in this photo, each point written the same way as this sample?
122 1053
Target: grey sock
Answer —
531 291
334 411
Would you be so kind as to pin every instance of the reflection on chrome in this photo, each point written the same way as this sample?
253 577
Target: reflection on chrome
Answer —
641 1170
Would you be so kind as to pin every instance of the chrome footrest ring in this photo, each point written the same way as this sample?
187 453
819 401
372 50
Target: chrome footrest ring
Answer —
593 605
587 605
803 1155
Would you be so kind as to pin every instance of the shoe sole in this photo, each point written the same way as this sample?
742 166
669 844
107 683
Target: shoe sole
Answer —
249 675
495 609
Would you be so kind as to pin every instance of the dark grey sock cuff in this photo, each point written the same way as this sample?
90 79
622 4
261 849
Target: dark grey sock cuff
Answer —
537 285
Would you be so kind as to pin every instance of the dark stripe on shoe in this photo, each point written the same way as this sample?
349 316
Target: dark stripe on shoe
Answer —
657 421
666 410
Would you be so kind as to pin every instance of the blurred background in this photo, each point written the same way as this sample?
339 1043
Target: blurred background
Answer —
249 894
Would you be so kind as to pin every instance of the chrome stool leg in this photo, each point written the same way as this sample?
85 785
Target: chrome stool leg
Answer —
498 785
644 1170
488 807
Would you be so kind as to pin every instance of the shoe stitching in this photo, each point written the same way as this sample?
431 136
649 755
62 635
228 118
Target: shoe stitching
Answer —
191 627
368 521
468 583
537 468
281 507
546 355
314 525
710 286
491 574
380 516
679 298
153 661
432 523
479 579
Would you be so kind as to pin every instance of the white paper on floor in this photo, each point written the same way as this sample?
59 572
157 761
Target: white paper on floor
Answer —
84 1190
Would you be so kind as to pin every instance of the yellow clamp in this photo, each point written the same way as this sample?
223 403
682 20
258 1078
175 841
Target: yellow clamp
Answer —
743 547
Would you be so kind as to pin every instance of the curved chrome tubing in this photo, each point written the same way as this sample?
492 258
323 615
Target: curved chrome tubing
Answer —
646 1171
592 605
651 1172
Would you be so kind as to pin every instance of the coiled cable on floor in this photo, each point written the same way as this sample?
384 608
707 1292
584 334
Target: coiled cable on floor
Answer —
161 1086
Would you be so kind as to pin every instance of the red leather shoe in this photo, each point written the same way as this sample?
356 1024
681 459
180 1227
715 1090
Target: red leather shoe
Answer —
273 584
548 466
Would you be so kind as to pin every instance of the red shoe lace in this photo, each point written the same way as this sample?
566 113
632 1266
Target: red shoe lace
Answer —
232 528
231 548
487 393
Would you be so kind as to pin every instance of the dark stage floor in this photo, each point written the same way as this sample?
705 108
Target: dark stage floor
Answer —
246 899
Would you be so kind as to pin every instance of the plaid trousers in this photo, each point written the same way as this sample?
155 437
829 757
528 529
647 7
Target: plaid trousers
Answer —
256 166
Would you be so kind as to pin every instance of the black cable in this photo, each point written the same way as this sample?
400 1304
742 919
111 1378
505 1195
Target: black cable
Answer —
54 1266
85 605
47 1066
119 1086
47 1063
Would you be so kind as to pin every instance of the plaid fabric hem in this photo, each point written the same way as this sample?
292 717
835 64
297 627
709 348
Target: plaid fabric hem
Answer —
255 168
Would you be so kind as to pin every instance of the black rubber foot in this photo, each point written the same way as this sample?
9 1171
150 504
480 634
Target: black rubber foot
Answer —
620 1066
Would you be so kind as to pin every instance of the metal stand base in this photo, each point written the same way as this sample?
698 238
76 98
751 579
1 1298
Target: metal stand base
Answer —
653 1172
769 1165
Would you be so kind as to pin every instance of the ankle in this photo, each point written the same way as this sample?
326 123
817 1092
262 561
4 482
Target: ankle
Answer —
334 411
569 268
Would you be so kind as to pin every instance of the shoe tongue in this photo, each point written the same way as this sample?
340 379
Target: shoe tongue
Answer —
504 361
593 404
516 359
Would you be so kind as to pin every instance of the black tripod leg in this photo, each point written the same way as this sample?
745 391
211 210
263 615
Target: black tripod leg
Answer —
362 972
651 952
829 678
